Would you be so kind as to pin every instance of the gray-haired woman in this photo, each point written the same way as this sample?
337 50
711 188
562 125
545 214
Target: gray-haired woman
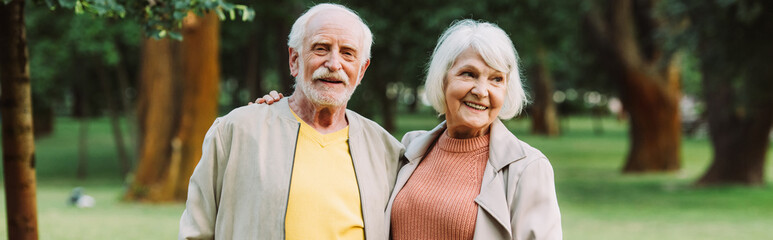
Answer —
470 177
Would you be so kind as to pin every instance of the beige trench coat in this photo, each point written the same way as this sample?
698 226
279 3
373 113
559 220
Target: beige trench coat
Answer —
517 199
240 186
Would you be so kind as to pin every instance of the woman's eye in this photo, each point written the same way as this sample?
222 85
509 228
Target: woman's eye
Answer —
499 79
466 74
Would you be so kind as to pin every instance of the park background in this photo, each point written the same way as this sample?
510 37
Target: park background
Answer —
656 115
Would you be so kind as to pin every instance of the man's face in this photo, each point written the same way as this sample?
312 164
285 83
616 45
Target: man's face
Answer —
330 66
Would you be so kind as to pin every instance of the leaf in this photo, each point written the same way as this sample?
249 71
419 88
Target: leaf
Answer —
220 14
78 7
175 35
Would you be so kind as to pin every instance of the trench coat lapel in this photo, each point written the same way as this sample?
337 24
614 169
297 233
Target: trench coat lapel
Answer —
414 152
504 148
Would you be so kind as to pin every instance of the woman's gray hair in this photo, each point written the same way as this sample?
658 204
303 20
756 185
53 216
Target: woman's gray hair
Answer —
298 31
493 44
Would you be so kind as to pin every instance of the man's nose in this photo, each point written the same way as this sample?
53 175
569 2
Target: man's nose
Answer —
333 62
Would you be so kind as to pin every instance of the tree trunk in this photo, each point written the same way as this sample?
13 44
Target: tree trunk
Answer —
737 84
648 82
739 139
157 117
544 117
42 116
16 108
285 79
387 105
740 117
115 121
122 77
83 129
174 125
253 74
201 76
655 132
414 106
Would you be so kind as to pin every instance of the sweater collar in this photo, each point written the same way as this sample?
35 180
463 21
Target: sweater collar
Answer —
504 147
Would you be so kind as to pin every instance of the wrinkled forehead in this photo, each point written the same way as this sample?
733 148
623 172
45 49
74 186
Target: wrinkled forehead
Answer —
335 23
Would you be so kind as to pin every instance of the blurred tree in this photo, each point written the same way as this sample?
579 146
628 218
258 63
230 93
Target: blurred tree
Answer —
732 40
16 106
18 145
69 53
542 30
624 33
177 105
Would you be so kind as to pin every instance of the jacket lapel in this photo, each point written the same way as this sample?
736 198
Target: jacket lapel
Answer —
414 152
504 148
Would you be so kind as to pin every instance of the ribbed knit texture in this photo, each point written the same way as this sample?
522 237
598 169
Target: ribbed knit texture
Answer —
438 200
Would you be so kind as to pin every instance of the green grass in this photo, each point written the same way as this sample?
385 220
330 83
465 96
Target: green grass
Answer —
596 200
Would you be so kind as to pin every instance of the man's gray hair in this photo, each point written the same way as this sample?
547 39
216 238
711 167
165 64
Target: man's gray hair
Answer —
493 44
298 31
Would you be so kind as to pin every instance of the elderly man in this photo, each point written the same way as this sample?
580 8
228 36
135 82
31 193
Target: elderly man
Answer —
304 167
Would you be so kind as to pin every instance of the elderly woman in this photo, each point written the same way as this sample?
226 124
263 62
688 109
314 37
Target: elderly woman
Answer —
469 177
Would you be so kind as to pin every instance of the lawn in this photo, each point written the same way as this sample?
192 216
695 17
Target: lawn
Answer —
596 200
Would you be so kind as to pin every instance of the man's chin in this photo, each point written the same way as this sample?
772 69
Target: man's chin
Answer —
329 100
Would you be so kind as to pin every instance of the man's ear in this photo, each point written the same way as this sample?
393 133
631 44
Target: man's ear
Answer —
293 61
362 71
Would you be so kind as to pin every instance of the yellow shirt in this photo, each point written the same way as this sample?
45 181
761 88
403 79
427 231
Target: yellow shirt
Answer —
324 201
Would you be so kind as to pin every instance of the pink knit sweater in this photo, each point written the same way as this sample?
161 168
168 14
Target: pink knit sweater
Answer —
438 200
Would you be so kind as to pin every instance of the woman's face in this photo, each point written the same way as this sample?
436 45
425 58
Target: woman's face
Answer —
474 95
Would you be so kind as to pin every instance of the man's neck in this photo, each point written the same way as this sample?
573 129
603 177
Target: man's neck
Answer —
324 119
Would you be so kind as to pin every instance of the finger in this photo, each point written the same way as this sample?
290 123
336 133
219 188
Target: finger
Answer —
274 95
268 99
281 95
249 103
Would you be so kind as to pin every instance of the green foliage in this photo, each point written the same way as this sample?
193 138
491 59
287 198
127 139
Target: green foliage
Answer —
68 52
731 39
159 18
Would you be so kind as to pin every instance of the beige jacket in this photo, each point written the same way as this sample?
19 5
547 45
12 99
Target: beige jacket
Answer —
517 199
240 186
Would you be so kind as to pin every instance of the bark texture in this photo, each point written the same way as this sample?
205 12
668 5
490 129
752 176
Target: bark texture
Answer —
737 84
543 114
178 103
201 75
16 108
648 80
740 138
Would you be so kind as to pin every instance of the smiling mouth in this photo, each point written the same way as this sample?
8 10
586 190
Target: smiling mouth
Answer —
475 106
330 80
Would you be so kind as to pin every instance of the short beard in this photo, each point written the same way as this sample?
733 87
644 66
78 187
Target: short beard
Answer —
318 97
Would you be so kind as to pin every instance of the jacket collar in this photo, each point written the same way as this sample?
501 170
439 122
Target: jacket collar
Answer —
282 109
419 146
504 147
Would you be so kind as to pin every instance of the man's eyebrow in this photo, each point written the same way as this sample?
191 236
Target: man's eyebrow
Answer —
320 41
349 46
